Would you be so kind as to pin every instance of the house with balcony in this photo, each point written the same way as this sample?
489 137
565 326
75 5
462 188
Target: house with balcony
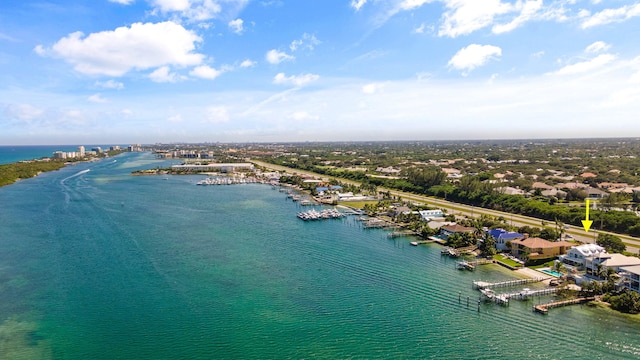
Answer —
579 255
631 275
538 249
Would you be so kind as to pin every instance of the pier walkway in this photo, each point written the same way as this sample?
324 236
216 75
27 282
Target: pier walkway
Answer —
509 283
503 299
544 308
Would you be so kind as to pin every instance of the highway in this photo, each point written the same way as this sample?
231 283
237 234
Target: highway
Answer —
578 233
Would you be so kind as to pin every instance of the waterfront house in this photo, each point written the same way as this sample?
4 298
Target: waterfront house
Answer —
428 215
449 230
631 275
502 236
538 249
602 262
577 256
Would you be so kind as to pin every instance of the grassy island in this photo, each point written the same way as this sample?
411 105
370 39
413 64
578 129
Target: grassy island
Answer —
10 173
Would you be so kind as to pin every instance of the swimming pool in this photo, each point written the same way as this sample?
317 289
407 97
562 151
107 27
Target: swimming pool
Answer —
551 272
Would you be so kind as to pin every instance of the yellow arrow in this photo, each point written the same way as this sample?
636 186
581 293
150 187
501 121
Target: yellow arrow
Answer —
587 223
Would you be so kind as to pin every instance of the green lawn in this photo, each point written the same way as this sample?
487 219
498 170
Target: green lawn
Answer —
506 260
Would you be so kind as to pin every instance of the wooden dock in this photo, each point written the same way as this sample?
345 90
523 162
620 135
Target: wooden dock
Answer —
544 308
508 283
503 299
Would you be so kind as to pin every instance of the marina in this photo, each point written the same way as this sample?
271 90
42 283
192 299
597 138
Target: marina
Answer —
324 214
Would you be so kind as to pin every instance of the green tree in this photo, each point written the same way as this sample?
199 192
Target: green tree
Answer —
611 243
488 246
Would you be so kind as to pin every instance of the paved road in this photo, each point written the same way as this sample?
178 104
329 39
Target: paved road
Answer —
578 233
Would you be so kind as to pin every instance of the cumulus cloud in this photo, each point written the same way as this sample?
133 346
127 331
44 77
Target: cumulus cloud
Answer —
236 26
586 66
608 16
419 29
110 84
358 4
307 41
473 56
141 47
23 112
96 98
298 81
205 72
276 57
163 74
598 46
216 114
247 63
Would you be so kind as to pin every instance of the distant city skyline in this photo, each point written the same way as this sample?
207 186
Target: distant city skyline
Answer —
195 71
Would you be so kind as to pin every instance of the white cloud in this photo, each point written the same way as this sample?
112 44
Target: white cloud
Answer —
528 11
473 56
110 84
163 75
608 16
216 114
372 88
598 46
23 112
96 98
236 26
205 72
466 16
412 4
307 41
275 57
358 4
247 63
141 47
193 10
419 30
586 66
40 50
300 80
123 2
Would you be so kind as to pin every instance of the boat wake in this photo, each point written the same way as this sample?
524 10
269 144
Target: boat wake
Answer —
74 175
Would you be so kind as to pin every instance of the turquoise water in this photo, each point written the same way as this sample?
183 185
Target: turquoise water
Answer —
99 264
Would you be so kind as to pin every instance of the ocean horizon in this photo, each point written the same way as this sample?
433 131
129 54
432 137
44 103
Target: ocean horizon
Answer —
99 264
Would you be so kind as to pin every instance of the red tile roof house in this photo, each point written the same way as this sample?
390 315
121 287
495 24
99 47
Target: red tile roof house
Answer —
537 248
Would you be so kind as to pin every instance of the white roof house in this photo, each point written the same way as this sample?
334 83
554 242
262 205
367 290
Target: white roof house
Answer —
578 255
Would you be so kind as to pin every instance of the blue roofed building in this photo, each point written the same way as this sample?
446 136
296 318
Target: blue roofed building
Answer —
502 236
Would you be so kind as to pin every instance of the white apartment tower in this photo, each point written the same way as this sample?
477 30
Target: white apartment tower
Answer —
81 151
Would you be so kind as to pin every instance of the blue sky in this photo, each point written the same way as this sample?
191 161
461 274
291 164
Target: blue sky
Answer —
146 71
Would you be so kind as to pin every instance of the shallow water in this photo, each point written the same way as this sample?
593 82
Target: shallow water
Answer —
102 265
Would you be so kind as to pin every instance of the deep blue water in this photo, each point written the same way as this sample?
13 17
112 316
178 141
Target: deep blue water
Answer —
100 264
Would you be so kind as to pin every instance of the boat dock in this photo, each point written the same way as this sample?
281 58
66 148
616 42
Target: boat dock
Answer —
509 283
544 308
314 214
524 294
